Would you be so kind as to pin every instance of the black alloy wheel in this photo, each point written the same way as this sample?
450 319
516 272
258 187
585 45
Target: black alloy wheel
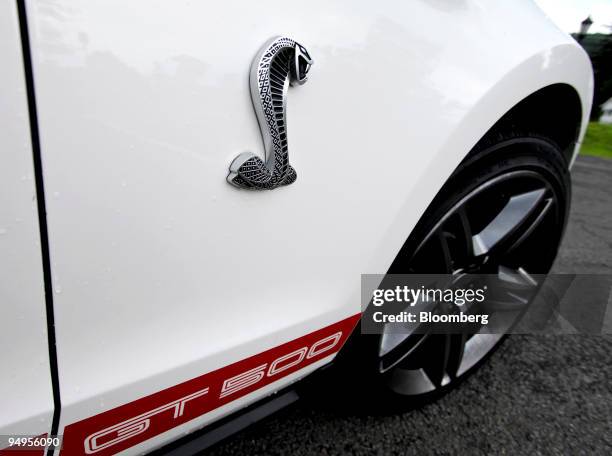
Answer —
502 213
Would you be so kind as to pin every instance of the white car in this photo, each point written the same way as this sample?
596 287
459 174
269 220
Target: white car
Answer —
169 258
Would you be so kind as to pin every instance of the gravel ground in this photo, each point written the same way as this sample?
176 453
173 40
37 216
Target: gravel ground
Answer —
536 395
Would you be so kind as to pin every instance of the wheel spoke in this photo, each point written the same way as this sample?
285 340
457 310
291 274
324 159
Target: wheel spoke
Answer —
455 356
508 221
548 203
435 367
446 254
475 349
403 348
467 232
517 277
513 290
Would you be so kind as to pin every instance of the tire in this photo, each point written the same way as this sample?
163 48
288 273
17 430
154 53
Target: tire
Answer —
518 167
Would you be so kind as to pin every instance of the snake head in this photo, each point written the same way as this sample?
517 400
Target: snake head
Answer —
301 65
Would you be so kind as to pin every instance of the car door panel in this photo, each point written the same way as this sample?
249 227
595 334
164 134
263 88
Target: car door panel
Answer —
26 394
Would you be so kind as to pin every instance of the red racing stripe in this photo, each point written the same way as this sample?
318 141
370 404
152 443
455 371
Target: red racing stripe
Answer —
135 422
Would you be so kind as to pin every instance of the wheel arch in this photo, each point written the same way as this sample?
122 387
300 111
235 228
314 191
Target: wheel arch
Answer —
548 92
553 112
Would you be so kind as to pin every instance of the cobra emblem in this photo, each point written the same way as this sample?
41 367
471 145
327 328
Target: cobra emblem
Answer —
280 62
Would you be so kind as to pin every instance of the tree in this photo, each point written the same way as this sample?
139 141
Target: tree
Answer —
599 48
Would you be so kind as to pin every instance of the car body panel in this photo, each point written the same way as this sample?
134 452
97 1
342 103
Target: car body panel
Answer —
164 272
26 395
124 426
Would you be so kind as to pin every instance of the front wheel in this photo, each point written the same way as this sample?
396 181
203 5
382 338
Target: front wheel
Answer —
502 212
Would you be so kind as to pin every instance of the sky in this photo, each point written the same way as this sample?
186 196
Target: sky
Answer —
568 14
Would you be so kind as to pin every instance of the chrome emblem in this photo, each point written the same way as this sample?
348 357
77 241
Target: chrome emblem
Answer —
279 63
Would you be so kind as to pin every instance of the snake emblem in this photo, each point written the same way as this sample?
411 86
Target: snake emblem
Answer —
281 62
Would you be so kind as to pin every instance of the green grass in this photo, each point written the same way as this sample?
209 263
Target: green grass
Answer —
598 140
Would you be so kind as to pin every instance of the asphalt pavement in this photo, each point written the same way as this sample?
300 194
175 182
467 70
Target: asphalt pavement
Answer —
536 395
